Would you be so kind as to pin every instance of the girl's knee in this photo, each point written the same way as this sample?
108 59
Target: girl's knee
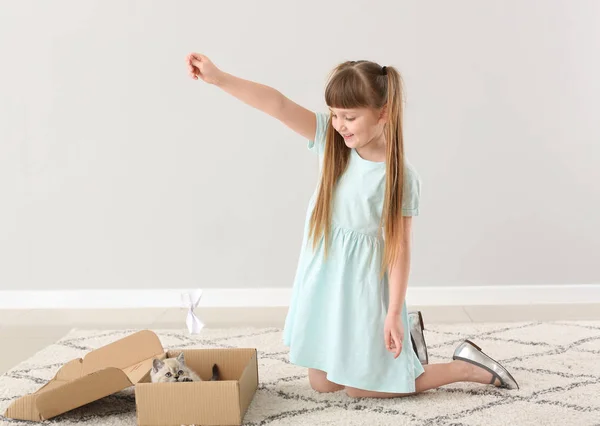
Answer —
354 392
326 387
318 381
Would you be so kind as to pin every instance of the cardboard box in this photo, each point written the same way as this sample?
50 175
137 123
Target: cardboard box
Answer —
222 402
127 362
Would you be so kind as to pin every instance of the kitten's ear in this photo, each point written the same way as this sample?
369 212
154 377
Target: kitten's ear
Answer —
180 358
157 364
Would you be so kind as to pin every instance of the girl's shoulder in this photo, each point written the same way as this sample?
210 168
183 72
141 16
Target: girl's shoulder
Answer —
317 144
411 190
410 170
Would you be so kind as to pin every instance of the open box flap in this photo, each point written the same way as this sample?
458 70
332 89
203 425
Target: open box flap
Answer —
125 353
81 391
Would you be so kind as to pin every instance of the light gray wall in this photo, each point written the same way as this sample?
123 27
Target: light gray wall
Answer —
118 171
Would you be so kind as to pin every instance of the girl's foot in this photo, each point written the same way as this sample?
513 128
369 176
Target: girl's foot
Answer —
485 367
476 374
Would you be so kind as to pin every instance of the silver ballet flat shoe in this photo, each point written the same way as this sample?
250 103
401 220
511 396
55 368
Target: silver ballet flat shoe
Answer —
471 353
416 327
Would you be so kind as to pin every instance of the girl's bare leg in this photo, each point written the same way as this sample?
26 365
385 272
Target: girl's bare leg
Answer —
435 375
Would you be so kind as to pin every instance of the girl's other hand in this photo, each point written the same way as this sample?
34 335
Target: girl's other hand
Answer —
393 332
199 66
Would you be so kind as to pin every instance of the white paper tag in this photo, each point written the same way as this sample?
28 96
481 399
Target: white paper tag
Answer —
191 301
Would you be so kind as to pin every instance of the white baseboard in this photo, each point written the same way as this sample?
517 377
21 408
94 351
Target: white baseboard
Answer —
273 297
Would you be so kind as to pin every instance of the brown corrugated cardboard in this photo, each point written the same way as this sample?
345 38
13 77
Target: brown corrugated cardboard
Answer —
100 373
128 361
222 402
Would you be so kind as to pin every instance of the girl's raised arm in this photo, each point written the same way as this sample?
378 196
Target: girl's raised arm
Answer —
259 96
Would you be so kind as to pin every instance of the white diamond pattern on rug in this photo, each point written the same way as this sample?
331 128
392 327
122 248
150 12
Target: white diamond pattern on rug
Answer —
564 363
298 387
556 364
527 414
273 405
425 405
549 334
534 382
273 371
589 393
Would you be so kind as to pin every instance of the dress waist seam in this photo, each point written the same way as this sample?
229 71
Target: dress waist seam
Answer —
355 231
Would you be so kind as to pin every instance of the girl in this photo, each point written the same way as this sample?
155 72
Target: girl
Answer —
347 321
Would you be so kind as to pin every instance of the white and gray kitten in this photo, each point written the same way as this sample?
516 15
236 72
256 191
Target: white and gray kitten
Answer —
175 370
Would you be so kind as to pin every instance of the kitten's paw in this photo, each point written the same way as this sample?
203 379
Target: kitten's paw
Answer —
187 379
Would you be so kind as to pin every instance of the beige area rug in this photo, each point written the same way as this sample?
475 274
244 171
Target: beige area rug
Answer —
557 365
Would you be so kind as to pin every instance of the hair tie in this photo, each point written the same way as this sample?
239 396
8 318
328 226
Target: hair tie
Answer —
384 70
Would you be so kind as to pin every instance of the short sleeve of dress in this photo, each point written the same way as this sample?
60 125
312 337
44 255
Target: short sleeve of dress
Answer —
411 192
318 143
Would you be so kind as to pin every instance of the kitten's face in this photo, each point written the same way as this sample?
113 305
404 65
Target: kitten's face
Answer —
172 370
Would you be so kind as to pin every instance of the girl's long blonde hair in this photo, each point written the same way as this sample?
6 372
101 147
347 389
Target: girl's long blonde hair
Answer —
360 84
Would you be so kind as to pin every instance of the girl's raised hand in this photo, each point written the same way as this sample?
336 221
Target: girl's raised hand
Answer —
199 66
393 332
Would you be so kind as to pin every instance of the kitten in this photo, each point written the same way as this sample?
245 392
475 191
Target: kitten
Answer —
175 370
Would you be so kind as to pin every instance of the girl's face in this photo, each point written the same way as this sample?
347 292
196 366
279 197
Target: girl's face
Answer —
358 126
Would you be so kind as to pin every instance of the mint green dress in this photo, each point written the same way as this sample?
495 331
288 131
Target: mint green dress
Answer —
338 306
